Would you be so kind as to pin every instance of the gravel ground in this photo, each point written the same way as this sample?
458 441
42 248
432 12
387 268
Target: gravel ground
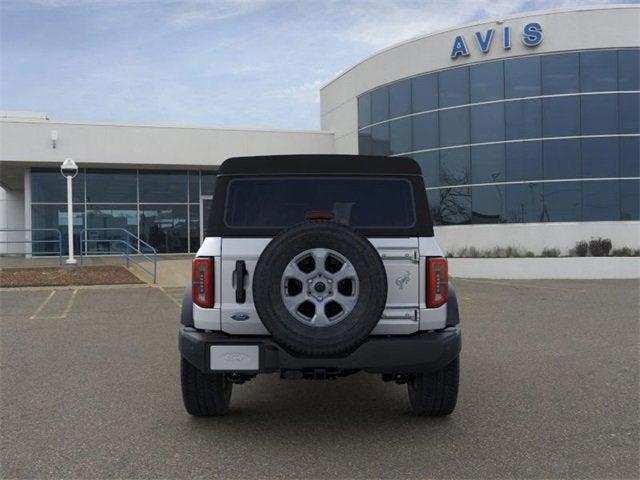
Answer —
63 276
549 389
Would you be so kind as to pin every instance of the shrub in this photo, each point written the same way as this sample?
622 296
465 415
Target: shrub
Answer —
550 252
625 252
581 248
600 247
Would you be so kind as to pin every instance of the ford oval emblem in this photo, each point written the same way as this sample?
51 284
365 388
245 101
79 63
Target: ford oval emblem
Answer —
240 316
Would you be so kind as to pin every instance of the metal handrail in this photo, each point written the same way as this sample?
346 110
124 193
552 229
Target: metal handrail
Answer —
128 257
32 241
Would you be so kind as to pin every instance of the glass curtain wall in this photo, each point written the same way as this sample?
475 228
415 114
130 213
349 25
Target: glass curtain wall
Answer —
541 138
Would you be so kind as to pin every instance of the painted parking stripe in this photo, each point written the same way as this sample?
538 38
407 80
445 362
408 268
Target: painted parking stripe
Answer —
42 305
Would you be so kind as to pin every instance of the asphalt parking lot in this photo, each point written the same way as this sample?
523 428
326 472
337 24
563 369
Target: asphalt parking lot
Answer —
549 388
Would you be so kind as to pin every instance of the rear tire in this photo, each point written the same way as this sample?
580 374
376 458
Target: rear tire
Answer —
204 394
435 394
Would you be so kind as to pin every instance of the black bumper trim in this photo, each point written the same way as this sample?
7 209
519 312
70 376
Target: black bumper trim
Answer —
420 352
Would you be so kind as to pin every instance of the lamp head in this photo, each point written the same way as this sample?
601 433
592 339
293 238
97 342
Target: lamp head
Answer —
69 168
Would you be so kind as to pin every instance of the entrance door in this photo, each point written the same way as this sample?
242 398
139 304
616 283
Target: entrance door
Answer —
205 208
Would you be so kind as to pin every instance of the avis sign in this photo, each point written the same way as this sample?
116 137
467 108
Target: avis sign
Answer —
531 37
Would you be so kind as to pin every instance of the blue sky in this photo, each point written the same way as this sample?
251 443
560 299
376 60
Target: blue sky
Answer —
245 63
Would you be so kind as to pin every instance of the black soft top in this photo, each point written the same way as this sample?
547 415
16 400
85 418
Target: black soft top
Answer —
319 164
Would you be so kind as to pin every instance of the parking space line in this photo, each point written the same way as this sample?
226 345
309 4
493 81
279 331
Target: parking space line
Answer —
170 297
515 285
42 305
69 304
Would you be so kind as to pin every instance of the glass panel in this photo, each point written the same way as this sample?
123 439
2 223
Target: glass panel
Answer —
600 200
523 161
454 166
629 69
380 104
487 81
599 71
365 145
433 198
164 227
400 133
206 211
562 202
194 228
424 93
208 182
194 187
380 139
113 217
454 127
364 110
429 164
455 206
48 185
454 87
630 200
599 114
522 77
600 157
488 204
487 164
400 98
425 131
112 186
163 186
561 159
561 116
560 73
630 157
523 119
55 216
487 123
360 202
629 112
524 203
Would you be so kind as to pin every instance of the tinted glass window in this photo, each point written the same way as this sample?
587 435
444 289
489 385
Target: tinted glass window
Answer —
629 112
630 157
163 186
429 164
454 127
208 180
48 185
487 81
455 206
165 227
524 203
630 200
523 161
380 139
560 73
561 116
113 217
629 69
400 98
55 216
400 132
194 187
488 204
598 71
433 197
522 77
365 146
523 119
487 123
487 163
359 202
600 157
194 227
561 159
454 87
562 201
425 92
425 131
599 114
379 104
600 200
364 110
454 166
112 186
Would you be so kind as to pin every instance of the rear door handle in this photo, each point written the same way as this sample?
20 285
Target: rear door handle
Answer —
239 275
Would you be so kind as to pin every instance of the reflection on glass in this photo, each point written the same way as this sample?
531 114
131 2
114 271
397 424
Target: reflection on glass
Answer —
455 206
194 187
601 200
487 81
425 131
429 164
454 166
488 204
114 218
163 186
400 98
454 87
629 112
630 157
487 163
524 203
561 159
433 198
629 69
365 145
561 116
523 119
424 93
523 161
55 216
400 136
599 114
522 77
600 157
599 71
208 180
364 110
165 227
380 139
194 228
454 127
562 201
487 123
630 200
48 185
380 104
111 186
560 73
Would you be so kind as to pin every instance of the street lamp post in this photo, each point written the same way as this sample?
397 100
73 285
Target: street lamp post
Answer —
69 169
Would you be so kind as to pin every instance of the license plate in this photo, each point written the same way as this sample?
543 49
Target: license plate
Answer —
234 357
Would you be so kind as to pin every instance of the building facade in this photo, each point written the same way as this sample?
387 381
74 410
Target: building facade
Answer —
526 129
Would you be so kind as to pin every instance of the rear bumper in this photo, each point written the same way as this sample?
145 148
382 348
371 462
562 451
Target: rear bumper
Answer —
420 352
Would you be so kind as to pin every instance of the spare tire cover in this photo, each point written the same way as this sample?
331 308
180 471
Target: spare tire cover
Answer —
320 288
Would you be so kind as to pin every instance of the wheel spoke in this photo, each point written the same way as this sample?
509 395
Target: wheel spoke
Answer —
292 302
320 319
319 257
293 271
347 271
346 302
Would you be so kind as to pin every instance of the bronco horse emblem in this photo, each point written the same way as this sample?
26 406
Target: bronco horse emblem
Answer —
403 280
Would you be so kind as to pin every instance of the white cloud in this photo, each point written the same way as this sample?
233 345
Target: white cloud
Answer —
193 12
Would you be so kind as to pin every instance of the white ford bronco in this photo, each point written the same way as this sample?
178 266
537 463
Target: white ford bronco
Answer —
319 266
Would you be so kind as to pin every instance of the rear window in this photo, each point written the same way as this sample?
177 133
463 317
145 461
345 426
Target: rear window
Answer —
280 202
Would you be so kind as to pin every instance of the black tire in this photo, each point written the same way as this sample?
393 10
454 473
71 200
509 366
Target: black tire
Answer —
353 329
435 394
204 394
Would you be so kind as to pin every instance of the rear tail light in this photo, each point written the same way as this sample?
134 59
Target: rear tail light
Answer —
202 282
437 282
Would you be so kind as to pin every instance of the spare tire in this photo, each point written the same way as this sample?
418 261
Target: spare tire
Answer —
320 288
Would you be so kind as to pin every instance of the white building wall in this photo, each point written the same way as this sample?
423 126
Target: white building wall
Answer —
11 216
